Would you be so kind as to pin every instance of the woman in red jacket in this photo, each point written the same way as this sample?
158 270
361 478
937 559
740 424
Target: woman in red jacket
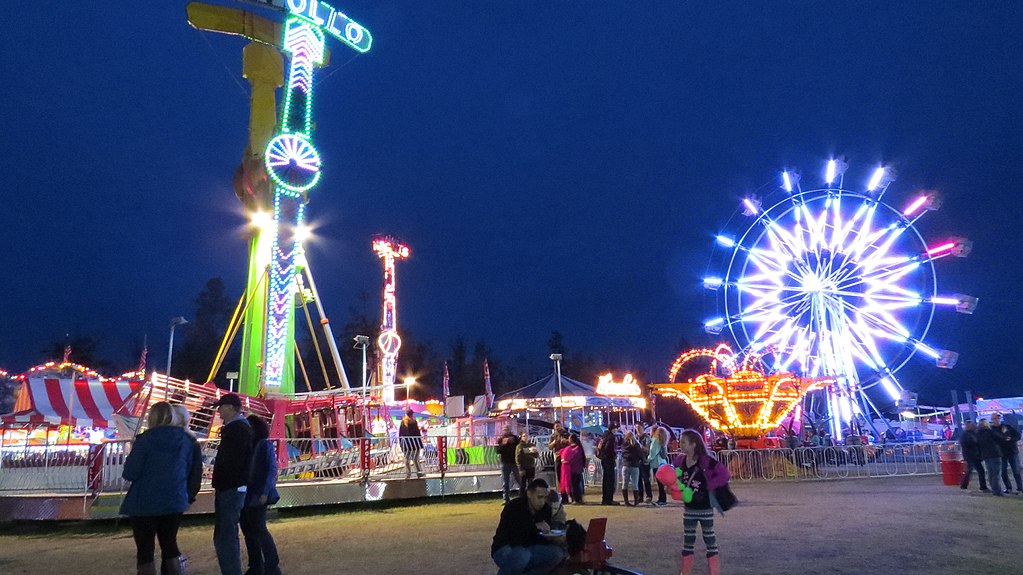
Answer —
573 462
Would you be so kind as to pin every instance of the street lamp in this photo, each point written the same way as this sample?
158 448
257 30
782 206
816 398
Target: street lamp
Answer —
362 342
409 382
556 358
174 322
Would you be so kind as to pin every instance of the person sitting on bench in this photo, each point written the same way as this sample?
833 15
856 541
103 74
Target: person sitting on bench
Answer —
523 543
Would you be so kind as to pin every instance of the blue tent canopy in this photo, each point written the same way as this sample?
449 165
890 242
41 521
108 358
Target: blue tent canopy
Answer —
548 387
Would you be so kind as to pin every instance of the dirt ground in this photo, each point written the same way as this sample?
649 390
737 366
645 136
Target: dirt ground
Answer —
900 525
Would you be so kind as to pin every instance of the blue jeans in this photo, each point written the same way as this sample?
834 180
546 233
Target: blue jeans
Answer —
507 470
630 478
528 560
994 475
1011 462
259 543
228 504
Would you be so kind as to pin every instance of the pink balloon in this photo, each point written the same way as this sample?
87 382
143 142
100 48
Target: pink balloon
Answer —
668 478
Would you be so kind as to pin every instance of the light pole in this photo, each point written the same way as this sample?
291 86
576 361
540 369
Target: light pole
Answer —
409 382
174 322
556 358
362 342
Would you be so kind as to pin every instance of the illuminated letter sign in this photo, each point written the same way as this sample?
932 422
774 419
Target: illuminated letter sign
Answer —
628 387
333 22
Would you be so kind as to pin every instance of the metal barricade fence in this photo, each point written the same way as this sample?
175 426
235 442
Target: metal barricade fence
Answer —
80 469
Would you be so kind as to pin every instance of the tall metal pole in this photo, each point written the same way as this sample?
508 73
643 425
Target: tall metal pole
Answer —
561 399
175 322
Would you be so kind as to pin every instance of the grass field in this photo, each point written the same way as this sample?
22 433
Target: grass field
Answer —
908 525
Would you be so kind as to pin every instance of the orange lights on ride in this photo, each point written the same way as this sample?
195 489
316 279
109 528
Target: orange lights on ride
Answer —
745 401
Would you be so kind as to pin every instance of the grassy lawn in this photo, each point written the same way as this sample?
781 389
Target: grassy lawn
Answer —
900 525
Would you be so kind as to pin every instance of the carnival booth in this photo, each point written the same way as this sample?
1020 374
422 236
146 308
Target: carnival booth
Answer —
67 402
582 406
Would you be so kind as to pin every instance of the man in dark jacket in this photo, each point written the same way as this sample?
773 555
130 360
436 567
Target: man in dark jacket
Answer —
523 542
506 449
411 440
1010 452
988 442
971 455
230 478
607 452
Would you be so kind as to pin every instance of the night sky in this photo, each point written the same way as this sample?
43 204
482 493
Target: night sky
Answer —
553 165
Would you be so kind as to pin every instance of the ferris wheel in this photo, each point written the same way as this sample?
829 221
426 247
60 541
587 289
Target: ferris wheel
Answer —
835 282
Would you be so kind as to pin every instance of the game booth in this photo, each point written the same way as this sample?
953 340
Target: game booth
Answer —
581 406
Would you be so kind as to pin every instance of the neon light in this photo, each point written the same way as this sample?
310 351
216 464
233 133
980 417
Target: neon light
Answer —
875 180
712 283
913 207
334 22
627 387
941 249
746 402
293 164
824 284
389 251
751 208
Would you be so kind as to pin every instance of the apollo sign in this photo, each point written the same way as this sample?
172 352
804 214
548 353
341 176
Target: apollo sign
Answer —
333 22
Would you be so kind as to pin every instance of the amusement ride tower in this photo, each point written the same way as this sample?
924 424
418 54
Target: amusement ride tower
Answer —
389 250
277 203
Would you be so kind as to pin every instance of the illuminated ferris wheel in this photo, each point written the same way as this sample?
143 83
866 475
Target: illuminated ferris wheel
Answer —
832 282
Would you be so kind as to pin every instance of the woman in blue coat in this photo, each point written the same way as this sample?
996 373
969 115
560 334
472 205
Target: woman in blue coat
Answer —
158 467
261 492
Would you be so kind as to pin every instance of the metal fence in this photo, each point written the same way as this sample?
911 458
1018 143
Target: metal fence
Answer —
97 469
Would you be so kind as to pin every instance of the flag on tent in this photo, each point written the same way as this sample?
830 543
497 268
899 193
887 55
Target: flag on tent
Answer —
447 381
67 353
488 391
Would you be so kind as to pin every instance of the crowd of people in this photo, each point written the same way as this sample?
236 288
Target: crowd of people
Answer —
165 470
530 536
991 448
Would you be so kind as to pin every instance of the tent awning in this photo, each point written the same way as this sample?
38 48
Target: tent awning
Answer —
47 399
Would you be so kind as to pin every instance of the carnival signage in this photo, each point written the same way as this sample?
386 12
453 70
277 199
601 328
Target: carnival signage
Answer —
627 387
333 22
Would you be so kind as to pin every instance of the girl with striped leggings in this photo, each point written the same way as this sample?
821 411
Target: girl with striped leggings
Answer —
701 473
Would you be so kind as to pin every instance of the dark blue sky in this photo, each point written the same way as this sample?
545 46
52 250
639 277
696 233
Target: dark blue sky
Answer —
552 164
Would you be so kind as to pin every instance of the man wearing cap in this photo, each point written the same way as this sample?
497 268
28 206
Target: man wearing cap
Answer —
230 476
1010 452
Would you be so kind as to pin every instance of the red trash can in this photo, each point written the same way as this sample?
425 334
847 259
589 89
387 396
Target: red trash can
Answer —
952 467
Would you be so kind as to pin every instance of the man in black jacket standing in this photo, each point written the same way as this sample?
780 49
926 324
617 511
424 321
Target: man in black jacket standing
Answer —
523 542
230 477
1010 452
607 452
506 449
971 455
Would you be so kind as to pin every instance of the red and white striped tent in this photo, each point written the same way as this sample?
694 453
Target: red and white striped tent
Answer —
69 394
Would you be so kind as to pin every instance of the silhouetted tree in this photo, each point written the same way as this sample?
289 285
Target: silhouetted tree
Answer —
203 333
84 351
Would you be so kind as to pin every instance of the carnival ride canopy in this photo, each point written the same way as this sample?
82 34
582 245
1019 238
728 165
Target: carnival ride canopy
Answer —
548 388
69 395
